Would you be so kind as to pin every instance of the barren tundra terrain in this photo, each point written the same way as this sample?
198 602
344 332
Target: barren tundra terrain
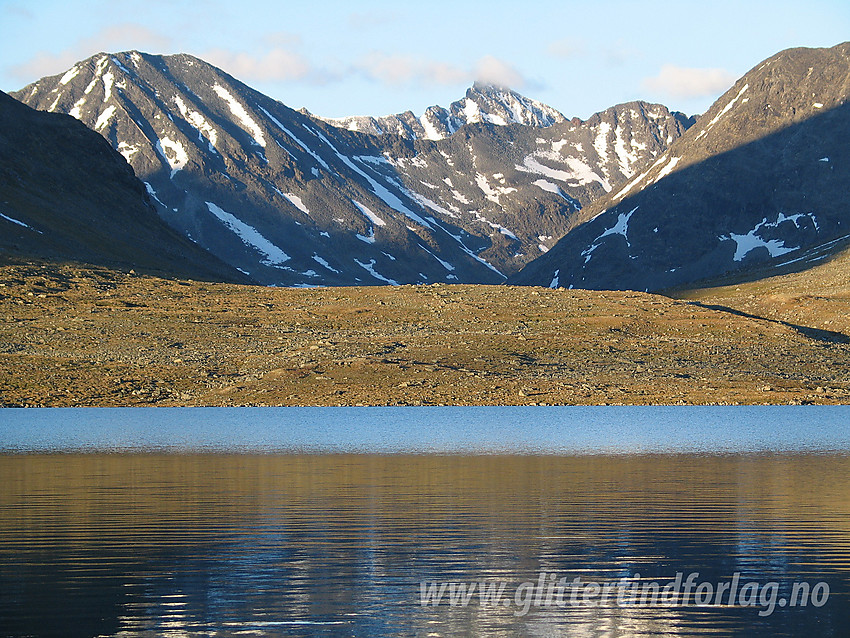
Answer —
74 335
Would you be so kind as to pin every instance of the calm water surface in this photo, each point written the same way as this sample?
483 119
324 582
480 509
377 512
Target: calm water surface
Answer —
327 522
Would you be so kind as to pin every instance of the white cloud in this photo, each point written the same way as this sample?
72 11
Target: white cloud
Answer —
444 74
277 59
396 70
278 64
44 64
120 37
684 82
389 69
282 39
494 71
567 48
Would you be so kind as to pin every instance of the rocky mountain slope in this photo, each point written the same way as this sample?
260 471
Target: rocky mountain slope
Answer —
482 103
292 200
66 194
761 177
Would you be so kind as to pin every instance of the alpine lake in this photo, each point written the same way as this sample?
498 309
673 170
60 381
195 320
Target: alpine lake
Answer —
455 521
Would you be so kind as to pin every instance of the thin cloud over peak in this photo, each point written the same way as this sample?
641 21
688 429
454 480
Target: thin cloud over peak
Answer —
395 70
683 82
492 70
119 37
276 65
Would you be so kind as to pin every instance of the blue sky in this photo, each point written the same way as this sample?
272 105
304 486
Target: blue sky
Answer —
377 57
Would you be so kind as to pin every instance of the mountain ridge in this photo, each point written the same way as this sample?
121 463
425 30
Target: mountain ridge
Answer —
292 200
758 178
483 102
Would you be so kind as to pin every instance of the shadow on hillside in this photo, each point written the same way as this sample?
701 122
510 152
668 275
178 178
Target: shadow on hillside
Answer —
816 334
798 261
801 169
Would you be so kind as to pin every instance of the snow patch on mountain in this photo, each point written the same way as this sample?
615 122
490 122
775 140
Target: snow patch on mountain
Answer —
664 172
372 217
722 112
424 201
108 81
469 252
173 153
123 68
370 268
369 239
99 69
324 263
127 150
753 240
241 114
580 172
75 110
490 192
296 139
199 123
250 236
70 74
297 202
627 157
104 117
442 262
600 142
620 227
505 231
431 132
19 223
547 186
153 194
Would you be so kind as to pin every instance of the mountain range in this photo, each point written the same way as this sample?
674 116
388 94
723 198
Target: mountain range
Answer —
495 187
482 103
760 179
290 199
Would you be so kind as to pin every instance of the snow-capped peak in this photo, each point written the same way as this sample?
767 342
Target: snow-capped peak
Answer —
485 103
501 105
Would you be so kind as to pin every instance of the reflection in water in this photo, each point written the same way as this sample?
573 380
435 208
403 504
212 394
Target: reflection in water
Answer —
337 545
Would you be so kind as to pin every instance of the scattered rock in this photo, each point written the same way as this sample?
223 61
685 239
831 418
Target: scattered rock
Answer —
317 347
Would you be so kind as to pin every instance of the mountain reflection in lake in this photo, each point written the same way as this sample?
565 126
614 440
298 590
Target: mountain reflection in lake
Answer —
338 544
